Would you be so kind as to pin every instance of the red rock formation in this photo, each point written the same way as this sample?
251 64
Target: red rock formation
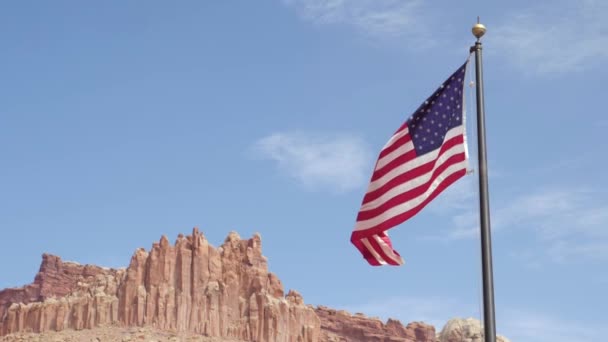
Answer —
339 325
188 287
192 286
63 295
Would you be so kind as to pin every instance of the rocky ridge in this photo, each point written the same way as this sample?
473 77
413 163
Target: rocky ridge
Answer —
189 287
188 291
340 325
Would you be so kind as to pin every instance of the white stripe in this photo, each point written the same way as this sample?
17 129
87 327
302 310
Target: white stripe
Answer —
414 162
395 137
387 250
371 250
415 182
404 207
401 150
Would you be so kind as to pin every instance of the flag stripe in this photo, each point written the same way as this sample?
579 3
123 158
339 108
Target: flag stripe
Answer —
385 243
381 177
402 197
377 250
395 220
376 243
400 132
413 203
410 180
369 253
414 169
406 146
400 138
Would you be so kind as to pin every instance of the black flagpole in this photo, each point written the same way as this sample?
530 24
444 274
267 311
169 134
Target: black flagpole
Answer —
484 198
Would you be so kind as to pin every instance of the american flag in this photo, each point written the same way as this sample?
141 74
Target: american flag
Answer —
426 155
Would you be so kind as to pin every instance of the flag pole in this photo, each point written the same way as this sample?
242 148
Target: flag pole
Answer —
484 201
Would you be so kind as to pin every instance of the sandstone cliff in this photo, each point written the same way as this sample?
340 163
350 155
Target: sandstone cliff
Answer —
339 326
191 286
190 290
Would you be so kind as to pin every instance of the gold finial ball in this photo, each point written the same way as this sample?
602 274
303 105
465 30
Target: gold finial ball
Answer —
478 30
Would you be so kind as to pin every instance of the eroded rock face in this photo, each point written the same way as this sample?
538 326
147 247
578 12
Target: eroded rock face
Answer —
339 325
190 286
63 295
464 330
194 288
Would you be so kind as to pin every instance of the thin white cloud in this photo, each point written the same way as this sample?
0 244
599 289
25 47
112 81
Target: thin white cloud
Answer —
543 37
540 327
378 18
554 37
565 250
335 162
569 224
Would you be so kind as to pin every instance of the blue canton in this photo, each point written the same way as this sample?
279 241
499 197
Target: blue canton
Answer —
438 114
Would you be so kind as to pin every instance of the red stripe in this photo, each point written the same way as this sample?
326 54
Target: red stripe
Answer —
380 252
395 145
367 255
413 193
459 139
402 159
413 173
398 219
387 241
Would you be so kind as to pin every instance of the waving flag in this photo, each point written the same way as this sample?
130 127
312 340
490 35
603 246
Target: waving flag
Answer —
426 155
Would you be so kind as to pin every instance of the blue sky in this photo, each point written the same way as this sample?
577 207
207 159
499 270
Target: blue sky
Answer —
123 121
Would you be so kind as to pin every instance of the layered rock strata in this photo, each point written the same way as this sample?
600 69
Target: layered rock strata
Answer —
339 326
193 289
191 286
